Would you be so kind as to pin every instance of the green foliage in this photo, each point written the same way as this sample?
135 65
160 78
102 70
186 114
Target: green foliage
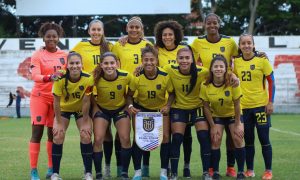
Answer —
278 17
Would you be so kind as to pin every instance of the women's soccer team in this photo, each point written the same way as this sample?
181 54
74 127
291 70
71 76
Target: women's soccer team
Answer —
213 85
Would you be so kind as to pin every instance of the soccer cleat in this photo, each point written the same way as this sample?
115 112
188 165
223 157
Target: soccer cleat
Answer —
211 172
99 176
240 176
88 176
267 175
49 173
230 172
55 176
163 174
173 177
137 175
107 172
249 173
186 173
34 174
216 176
124 176
206 176
145 171
119 171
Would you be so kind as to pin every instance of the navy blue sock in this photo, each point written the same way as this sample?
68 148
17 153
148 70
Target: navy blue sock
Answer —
137 154
97 156
250 151
177 139
56 156
118 152
107 149
146 158
204 140
267 154
215 158
263 135
187 144
164 155
229 148
240 154
249 145
230 157
125 159
87 156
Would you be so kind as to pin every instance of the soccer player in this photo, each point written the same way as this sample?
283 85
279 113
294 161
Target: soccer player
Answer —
90 50
205 48
186 78
168 35
45 66
110 105
129 55
72 97
257 101
222 107
151 86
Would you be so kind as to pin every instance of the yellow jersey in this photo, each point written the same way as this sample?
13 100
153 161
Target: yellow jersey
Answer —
90 54
221 99
112 93
168 56
205 51
151 93
252 74
181 85
129 54
76 91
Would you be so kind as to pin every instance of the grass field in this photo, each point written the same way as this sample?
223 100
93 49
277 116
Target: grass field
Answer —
15 135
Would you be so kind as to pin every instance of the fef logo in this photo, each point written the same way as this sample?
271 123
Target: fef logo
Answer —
119 87
227 93
148 124
62 61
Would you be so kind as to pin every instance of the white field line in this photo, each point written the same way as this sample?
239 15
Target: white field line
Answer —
285 132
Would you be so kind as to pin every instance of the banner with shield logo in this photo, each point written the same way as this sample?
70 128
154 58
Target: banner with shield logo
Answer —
148 130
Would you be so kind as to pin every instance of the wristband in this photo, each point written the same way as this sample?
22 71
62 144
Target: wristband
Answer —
130 106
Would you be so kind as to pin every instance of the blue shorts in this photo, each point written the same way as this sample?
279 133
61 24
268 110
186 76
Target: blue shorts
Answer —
115 115
226 121
187 116
143 109
256 117
68 115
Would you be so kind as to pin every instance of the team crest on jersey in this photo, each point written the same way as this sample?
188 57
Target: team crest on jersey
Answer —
222 49
252 66
81 88
227 93
62 61
148 124
119 87
38 118
158 86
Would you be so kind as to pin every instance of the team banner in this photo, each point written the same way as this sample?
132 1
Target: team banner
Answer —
148 130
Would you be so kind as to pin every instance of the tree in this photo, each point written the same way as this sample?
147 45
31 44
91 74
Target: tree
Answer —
7 19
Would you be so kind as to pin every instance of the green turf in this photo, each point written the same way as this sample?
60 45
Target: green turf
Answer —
15 135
